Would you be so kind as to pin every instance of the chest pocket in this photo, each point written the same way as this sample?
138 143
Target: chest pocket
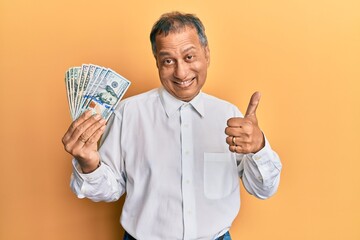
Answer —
220 175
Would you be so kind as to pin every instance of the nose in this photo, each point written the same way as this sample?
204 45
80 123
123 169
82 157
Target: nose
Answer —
181 70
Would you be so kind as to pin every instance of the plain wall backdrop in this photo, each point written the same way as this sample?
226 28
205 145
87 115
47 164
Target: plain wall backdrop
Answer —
303 56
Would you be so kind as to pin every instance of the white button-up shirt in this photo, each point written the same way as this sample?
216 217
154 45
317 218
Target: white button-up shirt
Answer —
172 160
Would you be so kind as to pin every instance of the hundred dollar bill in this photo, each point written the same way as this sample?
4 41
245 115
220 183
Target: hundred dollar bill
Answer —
68 89
74 80
90 83
85 78
111 89
93 91
94 87
80 83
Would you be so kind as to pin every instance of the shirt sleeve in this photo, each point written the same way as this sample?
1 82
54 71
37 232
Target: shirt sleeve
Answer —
260 172
107 183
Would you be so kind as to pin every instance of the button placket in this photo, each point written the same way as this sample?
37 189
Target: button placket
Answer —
187 161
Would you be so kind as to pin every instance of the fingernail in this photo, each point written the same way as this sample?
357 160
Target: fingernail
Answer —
97 116
102 121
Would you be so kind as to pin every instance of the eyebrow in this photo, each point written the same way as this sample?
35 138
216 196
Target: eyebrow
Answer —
165 53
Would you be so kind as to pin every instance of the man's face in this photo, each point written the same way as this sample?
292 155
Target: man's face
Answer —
182 63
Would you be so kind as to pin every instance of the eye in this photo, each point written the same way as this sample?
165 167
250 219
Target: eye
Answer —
168 61
190 57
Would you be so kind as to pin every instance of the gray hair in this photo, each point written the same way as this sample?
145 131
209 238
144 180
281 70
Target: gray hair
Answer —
175 22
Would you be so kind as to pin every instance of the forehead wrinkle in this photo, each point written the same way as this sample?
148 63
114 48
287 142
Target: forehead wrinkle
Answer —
188 49
167 53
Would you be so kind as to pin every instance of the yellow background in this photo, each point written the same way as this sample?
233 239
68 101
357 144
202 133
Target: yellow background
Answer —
304 56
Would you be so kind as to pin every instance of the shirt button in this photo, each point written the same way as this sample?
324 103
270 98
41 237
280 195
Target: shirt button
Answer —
187 181
186 125
187 152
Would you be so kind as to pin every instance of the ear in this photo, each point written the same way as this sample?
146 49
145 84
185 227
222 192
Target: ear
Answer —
207 54
156 61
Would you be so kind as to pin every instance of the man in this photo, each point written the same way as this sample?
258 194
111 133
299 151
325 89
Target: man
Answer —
177 152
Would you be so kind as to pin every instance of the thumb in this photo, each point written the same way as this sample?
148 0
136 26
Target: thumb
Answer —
253 104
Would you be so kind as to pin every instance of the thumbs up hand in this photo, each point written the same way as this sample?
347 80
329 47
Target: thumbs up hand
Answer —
244 134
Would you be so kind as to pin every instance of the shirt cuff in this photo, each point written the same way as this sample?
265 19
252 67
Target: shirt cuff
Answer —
263 155
87 177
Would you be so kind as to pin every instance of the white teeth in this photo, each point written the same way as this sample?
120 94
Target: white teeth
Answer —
185 83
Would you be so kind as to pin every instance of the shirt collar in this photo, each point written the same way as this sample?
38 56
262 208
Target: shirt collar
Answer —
171 104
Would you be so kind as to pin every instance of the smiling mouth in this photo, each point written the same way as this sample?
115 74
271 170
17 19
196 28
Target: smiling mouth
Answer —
185 84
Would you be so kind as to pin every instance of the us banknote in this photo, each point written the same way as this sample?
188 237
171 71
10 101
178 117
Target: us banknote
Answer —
95 88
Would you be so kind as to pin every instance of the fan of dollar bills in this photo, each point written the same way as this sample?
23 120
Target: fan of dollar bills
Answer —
93 87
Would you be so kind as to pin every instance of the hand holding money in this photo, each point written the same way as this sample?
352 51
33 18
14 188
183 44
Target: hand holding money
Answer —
81 139
93 93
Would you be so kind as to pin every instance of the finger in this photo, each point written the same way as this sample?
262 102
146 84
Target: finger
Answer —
88 135
253 104
80 120
231 140
239 149
235 122
245 129
81 129
96 136
86 115
77 141
238 122
236 149
238 140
